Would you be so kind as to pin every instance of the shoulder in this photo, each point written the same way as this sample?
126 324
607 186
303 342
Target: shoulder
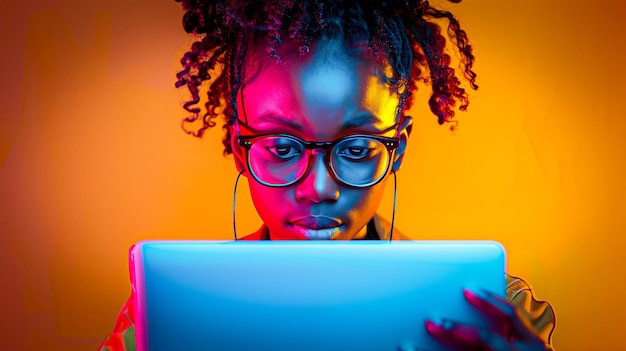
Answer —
539 313
122 338
383 227
261 234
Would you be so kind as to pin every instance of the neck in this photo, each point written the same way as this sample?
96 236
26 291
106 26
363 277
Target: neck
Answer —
361 234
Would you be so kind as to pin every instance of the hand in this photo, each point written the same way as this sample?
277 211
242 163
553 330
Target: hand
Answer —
509 330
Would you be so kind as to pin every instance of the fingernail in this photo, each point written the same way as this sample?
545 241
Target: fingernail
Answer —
470 295
474 294
434 328
439 326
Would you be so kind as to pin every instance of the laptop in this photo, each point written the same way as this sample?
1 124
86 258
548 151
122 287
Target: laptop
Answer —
305 296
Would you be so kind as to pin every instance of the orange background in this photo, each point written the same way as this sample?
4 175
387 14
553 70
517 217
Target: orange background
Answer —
93 159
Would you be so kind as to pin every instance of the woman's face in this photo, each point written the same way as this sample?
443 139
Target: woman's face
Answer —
322 96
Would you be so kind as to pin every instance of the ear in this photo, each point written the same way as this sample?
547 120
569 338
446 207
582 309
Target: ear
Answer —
405 127
239 154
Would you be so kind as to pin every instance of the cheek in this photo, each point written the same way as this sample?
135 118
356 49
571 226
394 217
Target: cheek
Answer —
357 206
364 202
269 201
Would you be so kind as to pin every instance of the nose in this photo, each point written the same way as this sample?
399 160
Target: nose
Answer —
318 185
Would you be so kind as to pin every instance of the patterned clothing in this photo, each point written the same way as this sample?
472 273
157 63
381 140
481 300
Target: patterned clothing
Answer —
518 292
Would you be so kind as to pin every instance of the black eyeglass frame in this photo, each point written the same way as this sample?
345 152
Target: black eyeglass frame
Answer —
246 141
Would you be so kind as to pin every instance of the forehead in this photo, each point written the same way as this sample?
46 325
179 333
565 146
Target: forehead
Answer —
321 95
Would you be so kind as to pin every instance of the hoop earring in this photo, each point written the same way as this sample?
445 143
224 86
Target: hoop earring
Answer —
235 205
393 214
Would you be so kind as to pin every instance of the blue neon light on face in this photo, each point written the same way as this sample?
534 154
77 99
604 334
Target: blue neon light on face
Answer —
323 96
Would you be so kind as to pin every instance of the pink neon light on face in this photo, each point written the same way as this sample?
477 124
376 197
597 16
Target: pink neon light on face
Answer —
319 97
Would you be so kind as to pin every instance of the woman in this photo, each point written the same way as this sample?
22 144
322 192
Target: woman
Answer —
314 95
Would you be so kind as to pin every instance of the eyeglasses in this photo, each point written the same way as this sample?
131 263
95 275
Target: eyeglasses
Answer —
357 160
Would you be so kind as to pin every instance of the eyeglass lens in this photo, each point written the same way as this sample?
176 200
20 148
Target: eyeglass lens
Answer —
279 160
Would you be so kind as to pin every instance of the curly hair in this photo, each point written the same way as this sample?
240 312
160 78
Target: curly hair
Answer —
404 33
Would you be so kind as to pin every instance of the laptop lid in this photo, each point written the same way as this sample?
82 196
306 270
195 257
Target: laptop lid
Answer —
280 296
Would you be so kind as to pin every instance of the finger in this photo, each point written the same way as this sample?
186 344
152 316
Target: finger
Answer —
497 342
503 317
455 336
465 337
522 326
497 314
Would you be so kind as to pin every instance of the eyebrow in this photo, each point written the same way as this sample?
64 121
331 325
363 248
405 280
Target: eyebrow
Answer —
360 120
281 121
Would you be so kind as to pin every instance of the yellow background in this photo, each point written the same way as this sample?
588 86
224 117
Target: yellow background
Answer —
93 159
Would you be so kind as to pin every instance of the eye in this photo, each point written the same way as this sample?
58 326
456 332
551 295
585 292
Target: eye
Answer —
355 152
358 149
283 149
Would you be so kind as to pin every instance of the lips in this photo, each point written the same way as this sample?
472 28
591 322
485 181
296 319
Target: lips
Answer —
317 222
317 227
